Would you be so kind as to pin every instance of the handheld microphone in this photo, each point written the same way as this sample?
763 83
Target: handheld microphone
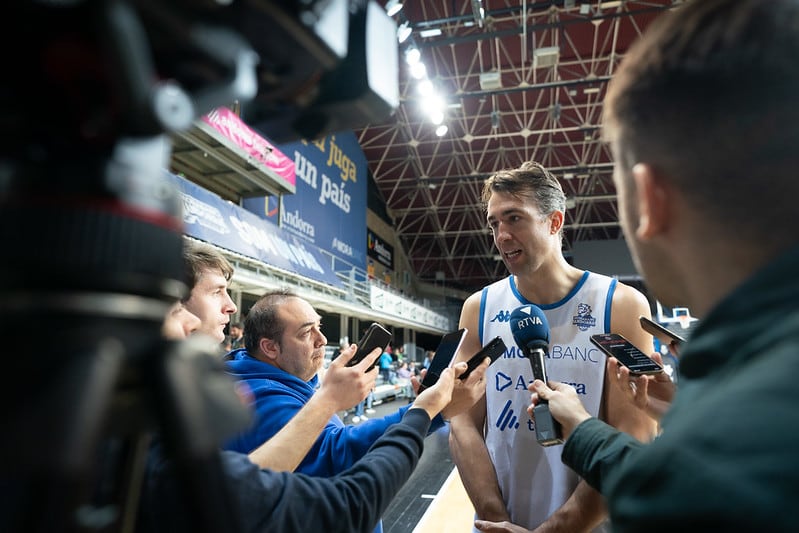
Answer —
530 330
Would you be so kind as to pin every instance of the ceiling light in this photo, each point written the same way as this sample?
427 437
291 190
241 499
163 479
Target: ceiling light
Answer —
412 55
478 12
425 88
442 130
490 80
418 70
393 7
404 31
545 56
432 103
591 90
437 117
432 32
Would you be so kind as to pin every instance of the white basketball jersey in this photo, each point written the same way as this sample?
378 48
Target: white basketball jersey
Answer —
533 480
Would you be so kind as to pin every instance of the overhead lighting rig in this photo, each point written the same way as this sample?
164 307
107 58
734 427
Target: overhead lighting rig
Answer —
478 11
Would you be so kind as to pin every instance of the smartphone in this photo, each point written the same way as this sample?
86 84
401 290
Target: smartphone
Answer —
662 334
617 346
445 352
375 337
493 349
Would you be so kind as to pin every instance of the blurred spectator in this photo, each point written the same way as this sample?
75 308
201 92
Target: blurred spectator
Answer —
428 358
359 410
404 373
384 363
236 336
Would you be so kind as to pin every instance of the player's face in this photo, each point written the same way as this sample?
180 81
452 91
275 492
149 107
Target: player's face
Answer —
523 235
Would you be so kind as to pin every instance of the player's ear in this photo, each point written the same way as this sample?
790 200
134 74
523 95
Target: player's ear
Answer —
653 202
555 222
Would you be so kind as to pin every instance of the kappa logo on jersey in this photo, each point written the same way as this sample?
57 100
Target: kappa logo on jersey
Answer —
502 316
583 319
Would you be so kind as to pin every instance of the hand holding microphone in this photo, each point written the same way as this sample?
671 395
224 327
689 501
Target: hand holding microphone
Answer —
531 332
563 403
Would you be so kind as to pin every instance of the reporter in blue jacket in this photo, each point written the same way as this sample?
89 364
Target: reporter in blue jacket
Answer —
284 351
266 500
263 498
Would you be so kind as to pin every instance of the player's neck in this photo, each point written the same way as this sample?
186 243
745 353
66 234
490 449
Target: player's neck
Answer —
549 283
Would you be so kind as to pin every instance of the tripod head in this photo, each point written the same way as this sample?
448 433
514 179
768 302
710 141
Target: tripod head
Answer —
92 234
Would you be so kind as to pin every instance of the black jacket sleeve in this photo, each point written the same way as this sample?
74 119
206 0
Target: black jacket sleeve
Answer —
280 501
595 449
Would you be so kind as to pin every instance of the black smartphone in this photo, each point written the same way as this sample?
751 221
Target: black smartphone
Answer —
375 337
662 334
627 354
493 349
445 352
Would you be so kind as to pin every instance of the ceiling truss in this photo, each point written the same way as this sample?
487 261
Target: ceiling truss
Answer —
549 112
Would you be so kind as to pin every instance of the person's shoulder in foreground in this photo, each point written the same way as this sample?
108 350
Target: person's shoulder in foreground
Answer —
681 113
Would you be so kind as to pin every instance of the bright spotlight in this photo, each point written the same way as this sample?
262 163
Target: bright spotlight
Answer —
418 70
412 55
393 7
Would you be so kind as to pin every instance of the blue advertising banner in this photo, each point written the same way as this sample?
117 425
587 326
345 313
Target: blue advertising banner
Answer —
209 218
329 207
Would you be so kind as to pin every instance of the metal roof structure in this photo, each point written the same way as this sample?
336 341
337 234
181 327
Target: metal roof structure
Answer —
518 81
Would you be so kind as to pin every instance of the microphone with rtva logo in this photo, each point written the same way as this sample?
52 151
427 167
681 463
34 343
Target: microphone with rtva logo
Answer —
531 333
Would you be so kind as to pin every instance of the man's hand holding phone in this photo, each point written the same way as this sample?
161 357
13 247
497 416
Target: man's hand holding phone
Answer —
651 393
344 386
468 391
435 398
451 396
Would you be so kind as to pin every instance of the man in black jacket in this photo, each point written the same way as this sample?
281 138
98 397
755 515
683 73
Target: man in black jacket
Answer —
703 120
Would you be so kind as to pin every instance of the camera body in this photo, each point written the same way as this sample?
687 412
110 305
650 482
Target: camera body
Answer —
93 233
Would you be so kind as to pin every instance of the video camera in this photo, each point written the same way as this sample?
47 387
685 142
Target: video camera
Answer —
92 234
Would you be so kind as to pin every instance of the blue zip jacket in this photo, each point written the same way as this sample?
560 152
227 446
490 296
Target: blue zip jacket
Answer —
280 395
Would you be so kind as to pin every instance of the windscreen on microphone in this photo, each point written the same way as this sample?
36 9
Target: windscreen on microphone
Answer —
529 327
531 332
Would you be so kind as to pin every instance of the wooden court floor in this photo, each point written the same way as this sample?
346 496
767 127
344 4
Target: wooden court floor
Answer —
450 511
433 499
